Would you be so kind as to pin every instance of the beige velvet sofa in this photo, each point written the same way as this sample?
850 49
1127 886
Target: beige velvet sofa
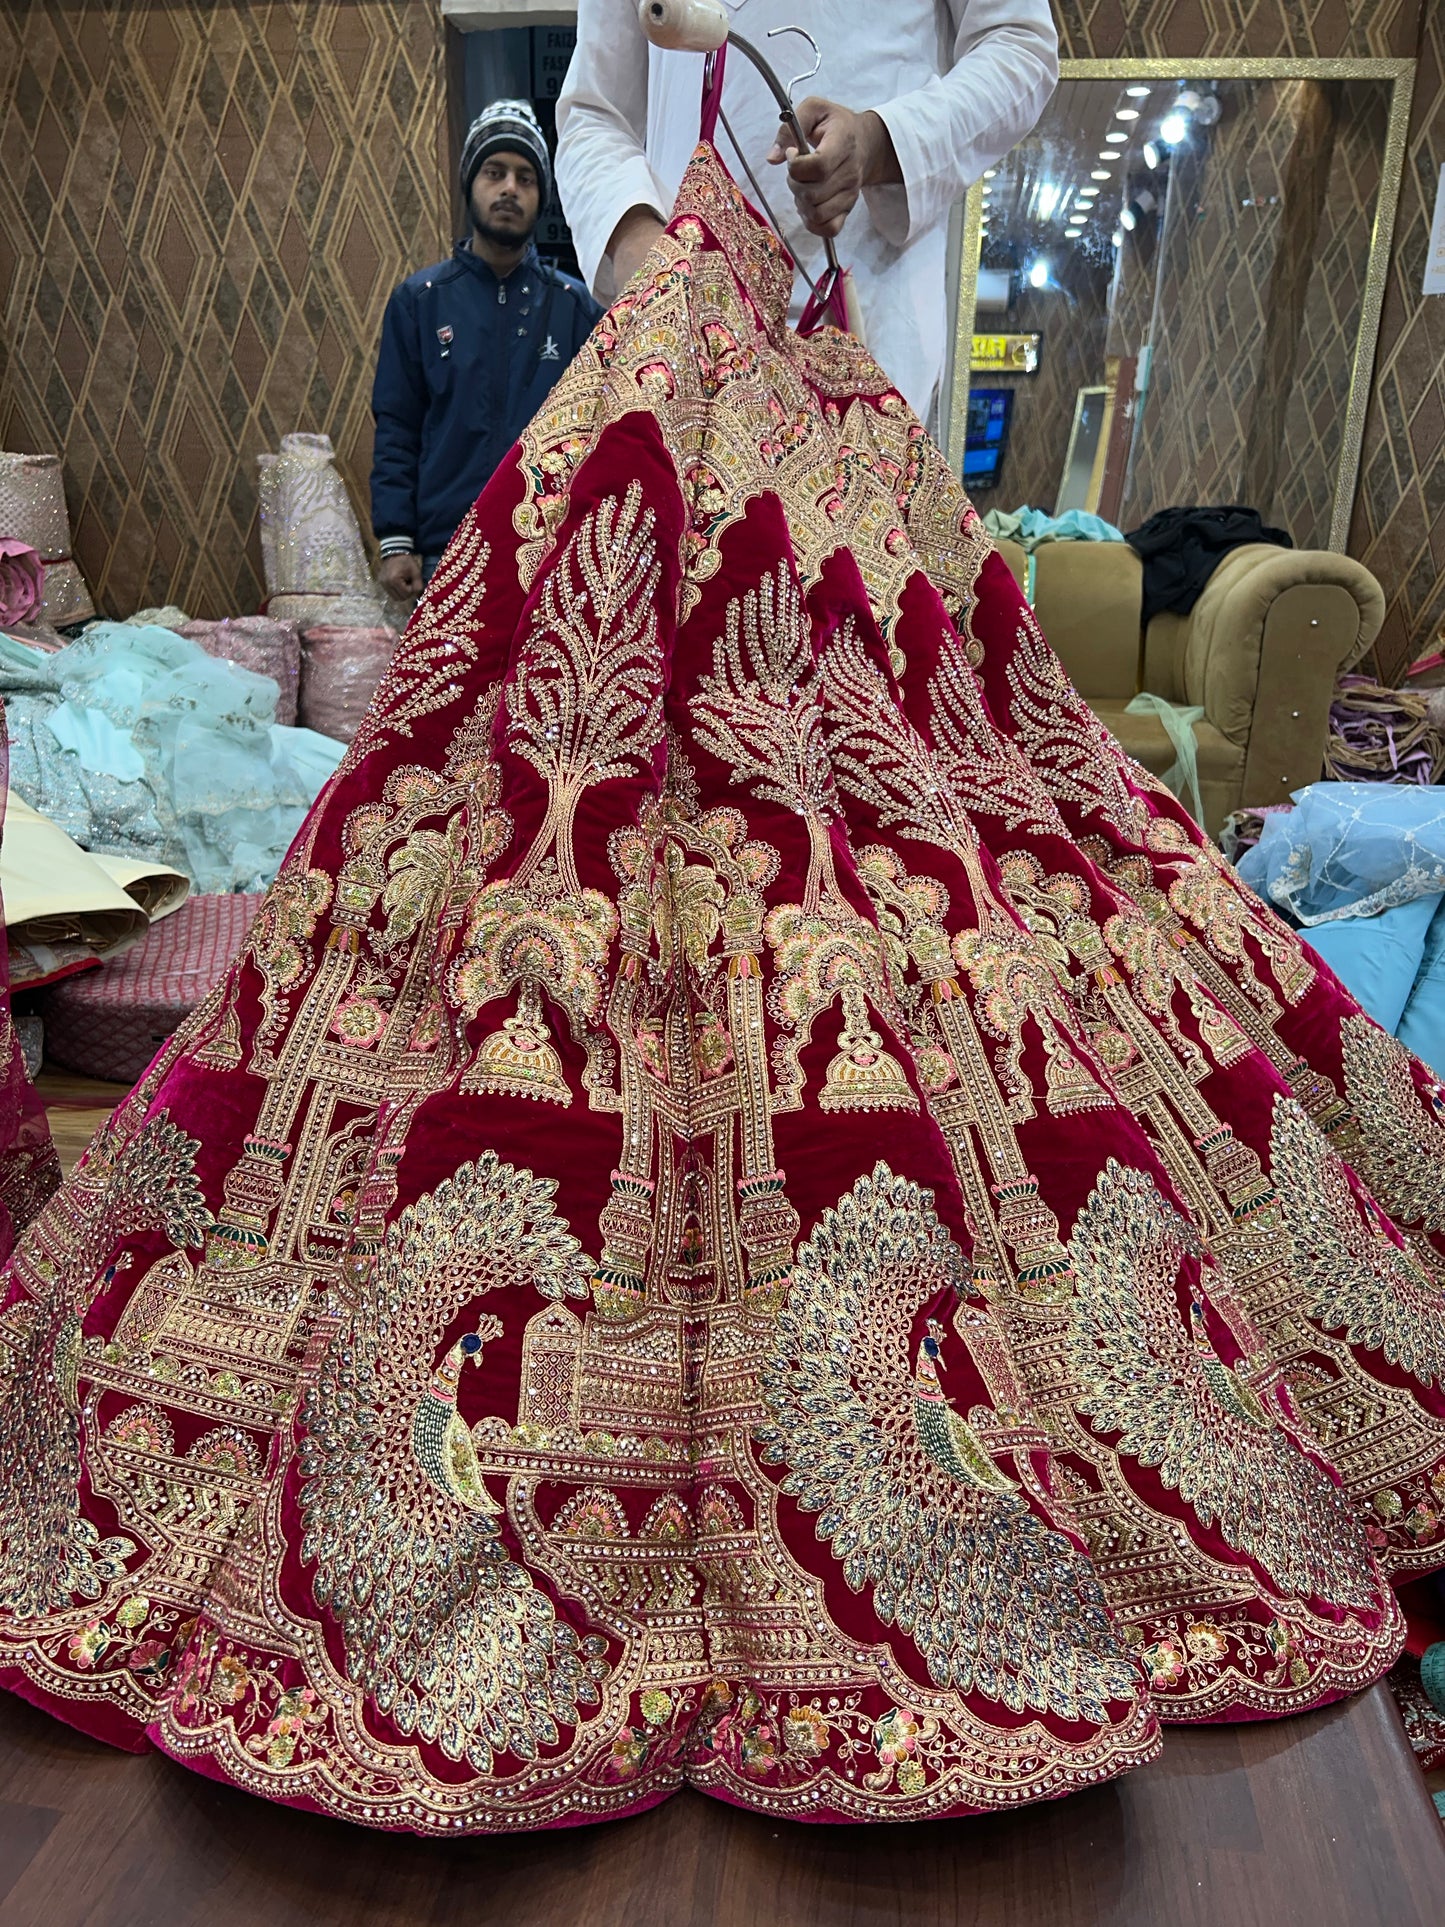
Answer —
1259 653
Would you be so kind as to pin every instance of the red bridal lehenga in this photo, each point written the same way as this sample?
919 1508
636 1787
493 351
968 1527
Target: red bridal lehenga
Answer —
759 1209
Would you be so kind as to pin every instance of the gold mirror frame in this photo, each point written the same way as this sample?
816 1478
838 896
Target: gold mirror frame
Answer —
1401 76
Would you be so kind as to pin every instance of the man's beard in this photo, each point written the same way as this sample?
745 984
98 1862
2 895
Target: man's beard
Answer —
500 237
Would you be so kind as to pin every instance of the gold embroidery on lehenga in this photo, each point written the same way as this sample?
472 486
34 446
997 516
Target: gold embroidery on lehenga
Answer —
584 706
1175 1405
123 1188
1401 1151
653 1612
1060 735
760 711
1361 1283
909 1498
438 651
450 1637
880 757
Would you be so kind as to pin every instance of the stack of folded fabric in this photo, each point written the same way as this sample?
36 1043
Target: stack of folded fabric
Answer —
1382 735
341 664
317 580
110 1023
260 644
33 511
1359 868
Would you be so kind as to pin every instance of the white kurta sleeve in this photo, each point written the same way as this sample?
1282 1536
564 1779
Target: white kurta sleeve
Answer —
602 166
945 133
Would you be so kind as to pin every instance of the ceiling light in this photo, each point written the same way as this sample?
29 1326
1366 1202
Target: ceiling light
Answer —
1128 219
1152 156
1100 174
1117 134
1049 198
1137 93
1173 129
1039 274
989 172
1072 233
1126 113
1110 154
1117 238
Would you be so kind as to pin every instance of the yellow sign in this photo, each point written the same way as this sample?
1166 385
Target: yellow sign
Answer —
1006 354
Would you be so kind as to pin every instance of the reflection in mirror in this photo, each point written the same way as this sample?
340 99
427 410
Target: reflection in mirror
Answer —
1193 257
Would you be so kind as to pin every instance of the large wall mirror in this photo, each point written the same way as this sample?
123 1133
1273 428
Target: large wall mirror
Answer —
1170 292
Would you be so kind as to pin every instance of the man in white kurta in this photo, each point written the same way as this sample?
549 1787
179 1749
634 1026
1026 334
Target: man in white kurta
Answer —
913 100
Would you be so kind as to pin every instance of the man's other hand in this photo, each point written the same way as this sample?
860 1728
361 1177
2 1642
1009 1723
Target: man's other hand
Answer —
633 239
849 152
400 576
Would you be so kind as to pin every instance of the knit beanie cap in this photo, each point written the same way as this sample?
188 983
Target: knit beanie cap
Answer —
507 126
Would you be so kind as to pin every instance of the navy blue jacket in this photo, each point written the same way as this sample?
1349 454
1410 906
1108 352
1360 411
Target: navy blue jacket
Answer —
466 361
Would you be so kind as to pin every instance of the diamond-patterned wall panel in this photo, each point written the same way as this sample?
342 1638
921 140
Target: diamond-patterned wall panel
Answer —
1399 521
1186 29
1264 273
1314 420
178 183
202 211
1044 403
1227 223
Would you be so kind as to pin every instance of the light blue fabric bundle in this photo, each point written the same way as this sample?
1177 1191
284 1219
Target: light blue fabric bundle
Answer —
1350 849
1361 866
138 743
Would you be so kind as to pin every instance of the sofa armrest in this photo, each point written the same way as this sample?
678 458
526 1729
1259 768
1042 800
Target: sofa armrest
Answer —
1262 649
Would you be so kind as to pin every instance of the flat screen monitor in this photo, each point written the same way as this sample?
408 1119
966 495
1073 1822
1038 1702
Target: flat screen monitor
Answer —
990 411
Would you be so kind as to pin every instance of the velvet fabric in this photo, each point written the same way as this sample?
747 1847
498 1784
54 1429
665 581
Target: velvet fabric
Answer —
759 1209
29 1167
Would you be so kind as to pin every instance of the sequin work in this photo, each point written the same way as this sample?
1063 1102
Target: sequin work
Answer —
758 1212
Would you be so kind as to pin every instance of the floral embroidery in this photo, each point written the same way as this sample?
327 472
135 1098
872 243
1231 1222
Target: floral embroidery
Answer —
746 826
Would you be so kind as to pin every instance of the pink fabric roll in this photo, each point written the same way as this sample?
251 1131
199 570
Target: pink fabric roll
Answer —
22 581
258 643
340 669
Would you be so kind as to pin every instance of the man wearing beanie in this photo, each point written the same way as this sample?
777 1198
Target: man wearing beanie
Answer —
469 350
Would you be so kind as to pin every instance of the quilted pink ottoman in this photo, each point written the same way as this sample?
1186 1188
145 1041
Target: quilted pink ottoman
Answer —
111 1022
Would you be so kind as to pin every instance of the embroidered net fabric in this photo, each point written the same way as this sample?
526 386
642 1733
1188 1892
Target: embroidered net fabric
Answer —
136 741
759 1209
1350 850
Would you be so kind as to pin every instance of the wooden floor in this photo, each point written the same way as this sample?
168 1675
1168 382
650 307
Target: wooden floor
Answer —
77 1107
1317 1822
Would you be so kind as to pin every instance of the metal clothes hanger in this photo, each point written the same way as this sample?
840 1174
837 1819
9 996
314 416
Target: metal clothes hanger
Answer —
703 27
